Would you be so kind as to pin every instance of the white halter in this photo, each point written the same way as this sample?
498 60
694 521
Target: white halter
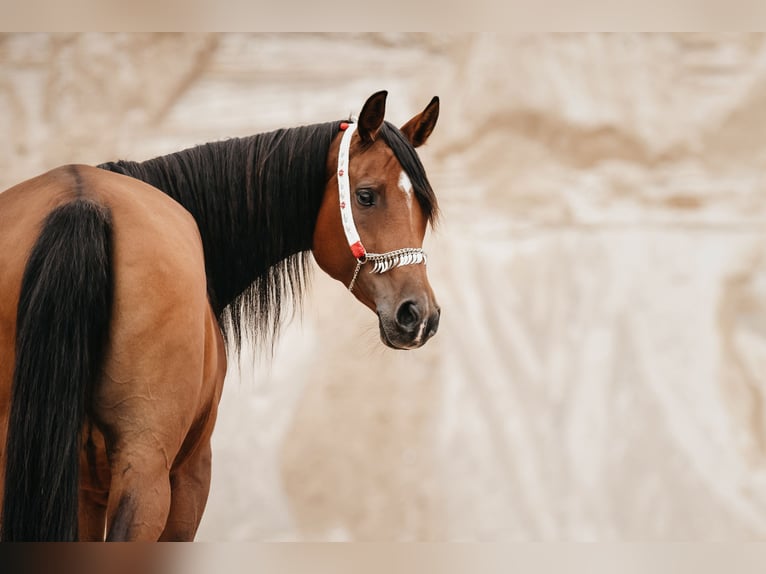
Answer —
381 262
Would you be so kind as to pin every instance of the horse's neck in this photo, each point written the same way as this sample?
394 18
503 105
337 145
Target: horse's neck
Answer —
255 200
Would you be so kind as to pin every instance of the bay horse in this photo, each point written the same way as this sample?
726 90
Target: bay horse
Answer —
122 286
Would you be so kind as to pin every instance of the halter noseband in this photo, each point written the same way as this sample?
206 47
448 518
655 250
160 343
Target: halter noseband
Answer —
381 262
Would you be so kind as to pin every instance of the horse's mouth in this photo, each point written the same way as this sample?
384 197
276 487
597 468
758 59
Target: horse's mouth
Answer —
400 340
389 343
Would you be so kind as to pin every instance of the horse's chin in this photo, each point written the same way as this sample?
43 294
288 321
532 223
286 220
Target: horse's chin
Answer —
392 339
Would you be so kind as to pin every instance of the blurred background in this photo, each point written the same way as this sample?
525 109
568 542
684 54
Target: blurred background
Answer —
600 369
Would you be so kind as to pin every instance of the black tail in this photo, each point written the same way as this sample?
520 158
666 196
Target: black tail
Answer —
62 326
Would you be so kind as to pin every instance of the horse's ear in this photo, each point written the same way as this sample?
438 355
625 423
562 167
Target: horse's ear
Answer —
371 117
420 127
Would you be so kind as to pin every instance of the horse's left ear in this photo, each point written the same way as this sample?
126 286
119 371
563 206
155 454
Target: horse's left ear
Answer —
420 127
371 118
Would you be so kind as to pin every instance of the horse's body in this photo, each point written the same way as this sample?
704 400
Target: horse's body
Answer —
116 291
164 347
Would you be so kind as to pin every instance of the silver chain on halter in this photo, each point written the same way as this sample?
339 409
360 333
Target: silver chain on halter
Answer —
381 262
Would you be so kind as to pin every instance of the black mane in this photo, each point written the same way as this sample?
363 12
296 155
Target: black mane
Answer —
256 200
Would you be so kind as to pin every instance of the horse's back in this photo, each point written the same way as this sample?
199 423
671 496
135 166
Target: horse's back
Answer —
146 221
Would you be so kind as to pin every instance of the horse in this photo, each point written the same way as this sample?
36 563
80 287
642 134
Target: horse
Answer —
123 286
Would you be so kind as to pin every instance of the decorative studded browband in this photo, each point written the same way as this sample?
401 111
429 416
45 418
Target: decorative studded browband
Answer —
381 262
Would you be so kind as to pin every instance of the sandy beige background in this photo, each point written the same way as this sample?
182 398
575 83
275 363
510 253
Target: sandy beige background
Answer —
600 369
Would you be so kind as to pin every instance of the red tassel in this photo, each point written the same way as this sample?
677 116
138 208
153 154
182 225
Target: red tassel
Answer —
358 250
343 126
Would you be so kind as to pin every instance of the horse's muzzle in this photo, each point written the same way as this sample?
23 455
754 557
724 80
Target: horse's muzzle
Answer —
411 326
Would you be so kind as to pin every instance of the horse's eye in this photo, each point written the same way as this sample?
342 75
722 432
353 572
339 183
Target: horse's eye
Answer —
365 197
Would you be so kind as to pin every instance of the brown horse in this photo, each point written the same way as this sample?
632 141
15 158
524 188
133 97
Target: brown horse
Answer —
120 284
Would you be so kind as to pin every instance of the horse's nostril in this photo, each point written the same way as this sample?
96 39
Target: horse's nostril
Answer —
408 315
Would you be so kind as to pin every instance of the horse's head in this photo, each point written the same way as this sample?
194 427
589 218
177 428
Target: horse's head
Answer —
376 207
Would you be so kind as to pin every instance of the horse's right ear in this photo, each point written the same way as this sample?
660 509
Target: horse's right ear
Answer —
371 118
420 127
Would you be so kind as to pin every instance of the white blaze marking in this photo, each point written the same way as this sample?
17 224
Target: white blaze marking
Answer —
420 332
406 186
